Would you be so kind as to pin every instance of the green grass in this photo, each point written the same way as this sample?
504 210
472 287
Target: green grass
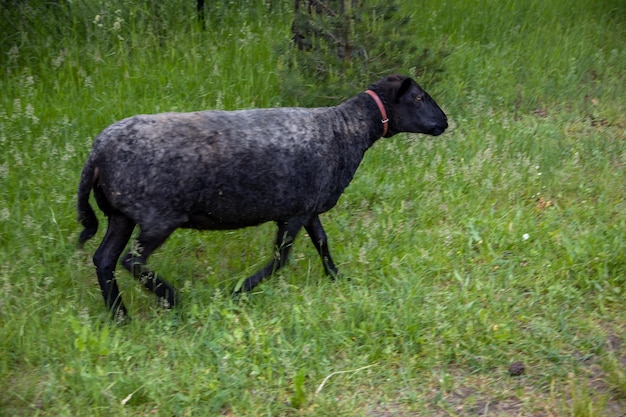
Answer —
503 240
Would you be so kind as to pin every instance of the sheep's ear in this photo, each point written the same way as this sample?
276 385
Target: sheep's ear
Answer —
404 87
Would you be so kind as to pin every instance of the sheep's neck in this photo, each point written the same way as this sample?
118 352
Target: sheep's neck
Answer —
384 120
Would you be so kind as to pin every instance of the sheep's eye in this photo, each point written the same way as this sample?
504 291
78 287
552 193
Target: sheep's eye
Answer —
418 98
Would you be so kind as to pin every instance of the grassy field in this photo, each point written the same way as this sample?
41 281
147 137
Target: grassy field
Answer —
502 241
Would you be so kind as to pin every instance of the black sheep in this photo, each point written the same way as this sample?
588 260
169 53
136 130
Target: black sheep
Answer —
217 170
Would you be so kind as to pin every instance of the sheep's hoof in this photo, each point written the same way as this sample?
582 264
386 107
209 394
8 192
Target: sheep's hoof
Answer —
120 317
334 275
168 299
240 288
166 303
237 292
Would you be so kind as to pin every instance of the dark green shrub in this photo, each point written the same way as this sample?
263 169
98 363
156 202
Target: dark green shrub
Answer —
340 46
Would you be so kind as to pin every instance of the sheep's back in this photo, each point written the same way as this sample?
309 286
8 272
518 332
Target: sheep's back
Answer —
246 166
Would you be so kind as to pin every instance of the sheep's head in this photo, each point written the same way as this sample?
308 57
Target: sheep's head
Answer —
409 107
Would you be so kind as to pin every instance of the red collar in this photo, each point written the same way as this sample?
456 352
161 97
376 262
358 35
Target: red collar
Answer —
381 107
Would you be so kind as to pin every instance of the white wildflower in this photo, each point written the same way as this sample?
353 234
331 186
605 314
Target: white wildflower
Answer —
30 113
117 25
14 52
58 61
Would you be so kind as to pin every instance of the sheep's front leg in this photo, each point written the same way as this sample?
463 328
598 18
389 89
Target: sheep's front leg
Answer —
287 232
318 236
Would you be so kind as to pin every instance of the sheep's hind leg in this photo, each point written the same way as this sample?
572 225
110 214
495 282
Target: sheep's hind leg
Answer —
287 232
119 230
135 261
318 236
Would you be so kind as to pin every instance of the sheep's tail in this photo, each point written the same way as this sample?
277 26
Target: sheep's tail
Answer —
86 215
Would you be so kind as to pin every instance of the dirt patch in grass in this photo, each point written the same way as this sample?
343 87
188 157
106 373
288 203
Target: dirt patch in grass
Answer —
595 386
598 386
